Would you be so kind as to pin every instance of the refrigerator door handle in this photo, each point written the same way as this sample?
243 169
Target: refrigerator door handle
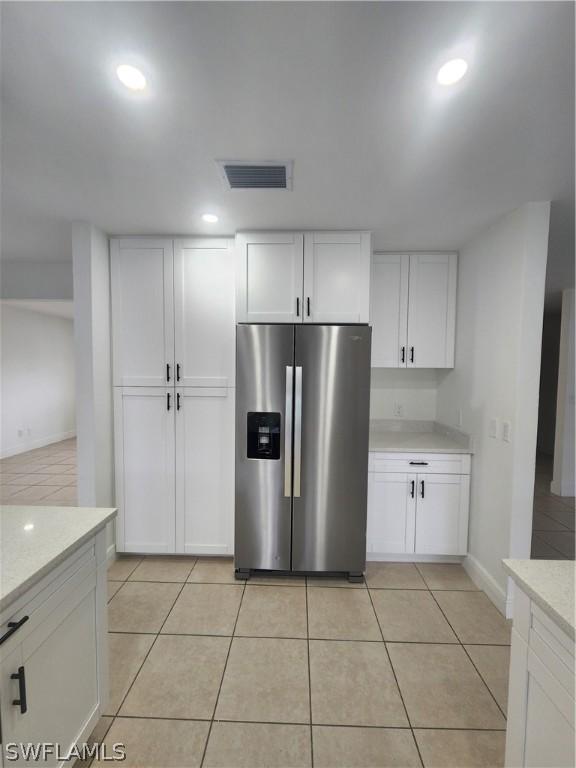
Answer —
297 430
288 433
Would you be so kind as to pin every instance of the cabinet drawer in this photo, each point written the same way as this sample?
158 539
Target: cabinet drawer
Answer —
422 463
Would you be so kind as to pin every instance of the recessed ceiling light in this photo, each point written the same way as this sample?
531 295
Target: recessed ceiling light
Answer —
29 527
452 71
209 218
131 77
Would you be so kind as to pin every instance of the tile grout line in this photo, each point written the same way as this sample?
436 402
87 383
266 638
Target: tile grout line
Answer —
396 680
222 676
309 672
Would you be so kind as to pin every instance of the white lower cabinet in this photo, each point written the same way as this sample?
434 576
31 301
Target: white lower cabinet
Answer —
541 703
205 470
145 450
175 469
419 512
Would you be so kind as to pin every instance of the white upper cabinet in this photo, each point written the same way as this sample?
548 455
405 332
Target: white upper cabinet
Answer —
269 277
431 310
389 309
204 289
413 310
337 277
205 470
142 311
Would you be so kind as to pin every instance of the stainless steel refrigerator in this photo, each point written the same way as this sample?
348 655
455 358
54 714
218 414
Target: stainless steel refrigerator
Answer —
302 415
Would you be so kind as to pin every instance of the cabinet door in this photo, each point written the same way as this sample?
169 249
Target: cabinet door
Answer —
205 470
432 310
269 275
389 309
204 312
59 660
142 311
337 277
442 514
391 512
144 430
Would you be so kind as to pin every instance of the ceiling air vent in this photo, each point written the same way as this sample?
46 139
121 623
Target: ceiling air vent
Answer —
268 174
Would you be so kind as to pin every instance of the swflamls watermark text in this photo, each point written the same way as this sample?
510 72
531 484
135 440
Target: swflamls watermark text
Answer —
43 751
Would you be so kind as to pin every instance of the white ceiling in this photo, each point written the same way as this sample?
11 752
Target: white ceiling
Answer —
345 89
44 307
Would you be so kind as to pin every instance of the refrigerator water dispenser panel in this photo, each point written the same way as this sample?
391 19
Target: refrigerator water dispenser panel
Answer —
263 435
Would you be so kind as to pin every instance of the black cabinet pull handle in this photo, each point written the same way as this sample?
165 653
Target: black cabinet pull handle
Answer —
177 371
21 702
167 401
422 484
14 626
403 358
167 371
297 306
308 306
412 488
419 463
177 401
411 354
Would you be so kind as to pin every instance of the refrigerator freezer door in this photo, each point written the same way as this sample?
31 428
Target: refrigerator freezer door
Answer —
329 515
264 390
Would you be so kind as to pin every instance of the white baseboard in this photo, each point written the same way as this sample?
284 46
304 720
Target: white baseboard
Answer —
41 442
487 583
111 553
562 489
381 557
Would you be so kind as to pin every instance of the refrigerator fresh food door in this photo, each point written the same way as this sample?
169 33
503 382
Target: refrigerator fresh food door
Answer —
331 416
264 392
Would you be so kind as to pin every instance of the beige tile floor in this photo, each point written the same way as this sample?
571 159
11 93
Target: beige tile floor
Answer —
407 669
553 518
42 477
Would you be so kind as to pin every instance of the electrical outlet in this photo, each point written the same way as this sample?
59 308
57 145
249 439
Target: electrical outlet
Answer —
29 431
399 410
506 431
493 428
20 433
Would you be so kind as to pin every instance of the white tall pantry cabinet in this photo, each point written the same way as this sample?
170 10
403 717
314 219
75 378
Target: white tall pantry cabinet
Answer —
173 351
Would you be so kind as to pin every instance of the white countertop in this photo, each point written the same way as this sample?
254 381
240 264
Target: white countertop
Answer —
35 539
415 437
550 583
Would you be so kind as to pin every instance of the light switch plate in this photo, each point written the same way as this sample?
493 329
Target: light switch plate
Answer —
506 431
493 427
459 418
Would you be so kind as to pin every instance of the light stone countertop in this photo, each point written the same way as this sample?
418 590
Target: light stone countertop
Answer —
550 583
415 437
33 540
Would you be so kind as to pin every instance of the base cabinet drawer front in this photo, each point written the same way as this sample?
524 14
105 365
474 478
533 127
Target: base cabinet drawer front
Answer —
205 470
442 515
144 429
53 677
437 463
417 513
391 512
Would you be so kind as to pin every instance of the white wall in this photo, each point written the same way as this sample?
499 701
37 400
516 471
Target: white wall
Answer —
93 367
37 379
499 326
413 390
27 279
563 479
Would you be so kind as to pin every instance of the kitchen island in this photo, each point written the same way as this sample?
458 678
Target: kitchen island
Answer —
53 626
541 689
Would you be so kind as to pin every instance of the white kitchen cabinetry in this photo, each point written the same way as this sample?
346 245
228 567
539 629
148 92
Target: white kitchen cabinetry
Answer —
145 472
204 289
337 277
541 702
414 310
54 671
315 277
204 469
269 274
142 287
418 504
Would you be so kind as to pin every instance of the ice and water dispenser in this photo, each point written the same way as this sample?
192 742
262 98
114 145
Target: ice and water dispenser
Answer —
263 435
